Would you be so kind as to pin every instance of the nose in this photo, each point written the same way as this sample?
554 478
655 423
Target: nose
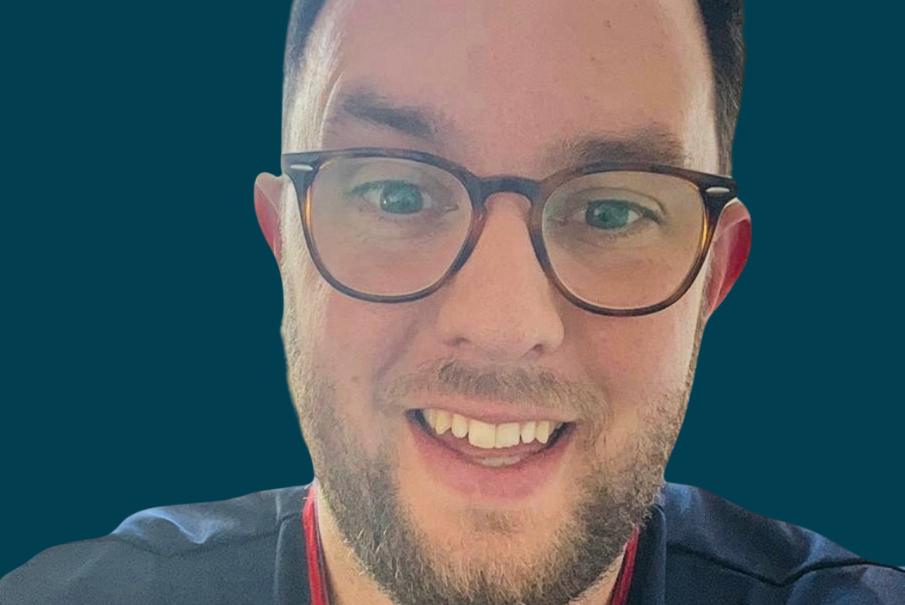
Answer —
500 307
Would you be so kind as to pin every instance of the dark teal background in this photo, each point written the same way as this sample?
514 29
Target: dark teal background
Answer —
141 306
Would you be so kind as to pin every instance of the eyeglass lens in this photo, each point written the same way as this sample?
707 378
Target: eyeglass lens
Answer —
391 227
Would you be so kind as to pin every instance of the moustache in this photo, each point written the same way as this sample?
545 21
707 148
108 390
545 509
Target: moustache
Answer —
539 388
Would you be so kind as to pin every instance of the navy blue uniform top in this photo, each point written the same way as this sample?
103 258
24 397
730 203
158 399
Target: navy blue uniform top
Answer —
696 549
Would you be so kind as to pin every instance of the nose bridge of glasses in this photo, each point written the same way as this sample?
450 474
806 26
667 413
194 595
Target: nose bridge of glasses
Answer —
527 188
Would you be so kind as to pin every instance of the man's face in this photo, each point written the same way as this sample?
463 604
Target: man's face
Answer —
512 84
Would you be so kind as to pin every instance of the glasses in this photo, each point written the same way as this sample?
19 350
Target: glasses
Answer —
392 225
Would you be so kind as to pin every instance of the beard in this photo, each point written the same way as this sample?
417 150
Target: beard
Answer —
363 494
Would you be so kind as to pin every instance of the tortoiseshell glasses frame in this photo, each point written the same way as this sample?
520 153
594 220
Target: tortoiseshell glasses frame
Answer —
715 193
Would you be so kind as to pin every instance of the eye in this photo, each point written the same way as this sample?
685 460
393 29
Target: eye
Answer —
394 197
611 215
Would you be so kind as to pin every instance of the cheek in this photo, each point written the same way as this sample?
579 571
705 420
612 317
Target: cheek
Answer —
650 351
642 363
361 340
358 343
667 344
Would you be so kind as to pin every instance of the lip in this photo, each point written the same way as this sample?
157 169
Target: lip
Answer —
492 413
474 481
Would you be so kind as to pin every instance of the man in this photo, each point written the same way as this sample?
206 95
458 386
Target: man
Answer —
501 232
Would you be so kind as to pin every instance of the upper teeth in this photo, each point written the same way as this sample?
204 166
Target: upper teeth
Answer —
487 436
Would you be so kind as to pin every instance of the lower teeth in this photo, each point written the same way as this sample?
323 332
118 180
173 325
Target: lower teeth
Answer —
498 462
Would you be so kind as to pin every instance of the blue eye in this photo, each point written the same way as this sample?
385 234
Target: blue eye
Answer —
610 214
395 197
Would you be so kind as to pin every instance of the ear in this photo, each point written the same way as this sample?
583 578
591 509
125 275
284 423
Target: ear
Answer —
268 193
728 254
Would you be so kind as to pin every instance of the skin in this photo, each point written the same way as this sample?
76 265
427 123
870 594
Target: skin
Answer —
511 81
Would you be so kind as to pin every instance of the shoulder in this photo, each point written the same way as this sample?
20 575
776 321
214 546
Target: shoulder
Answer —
194 553
713 546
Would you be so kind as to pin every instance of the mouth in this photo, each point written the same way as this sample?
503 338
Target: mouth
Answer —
500 461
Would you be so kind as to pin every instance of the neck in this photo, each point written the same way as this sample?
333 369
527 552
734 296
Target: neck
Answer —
348 584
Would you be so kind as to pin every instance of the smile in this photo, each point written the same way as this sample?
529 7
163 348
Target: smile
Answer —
489 436
485 435
504 460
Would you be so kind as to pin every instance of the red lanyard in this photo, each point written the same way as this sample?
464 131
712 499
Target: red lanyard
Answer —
624 581
317 581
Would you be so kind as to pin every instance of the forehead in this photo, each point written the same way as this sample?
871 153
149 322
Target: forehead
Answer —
504 83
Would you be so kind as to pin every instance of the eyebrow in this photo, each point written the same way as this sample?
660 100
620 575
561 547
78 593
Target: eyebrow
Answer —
653 144
365 104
